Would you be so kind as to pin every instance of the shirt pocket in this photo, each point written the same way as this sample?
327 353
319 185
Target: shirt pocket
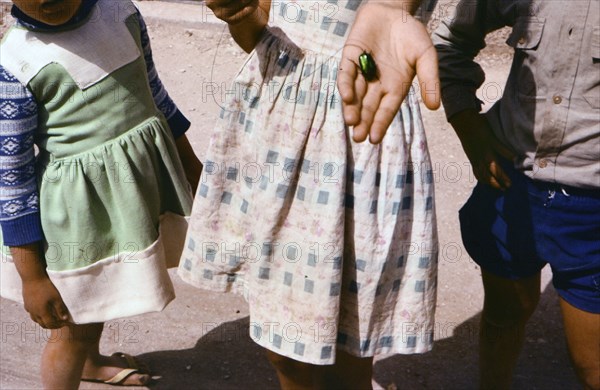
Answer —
525 38
526 33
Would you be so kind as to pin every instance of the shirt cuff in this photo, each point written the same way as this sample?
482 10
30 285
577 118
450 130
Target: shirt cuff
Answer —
457 98
23 230
179 124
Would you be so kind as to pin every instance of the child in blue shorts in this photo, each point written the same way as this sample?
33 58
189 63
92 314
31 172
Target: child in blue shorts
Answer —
536 155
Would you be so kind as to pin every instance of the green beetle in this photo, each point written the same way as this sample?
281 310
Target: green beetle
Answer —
367 66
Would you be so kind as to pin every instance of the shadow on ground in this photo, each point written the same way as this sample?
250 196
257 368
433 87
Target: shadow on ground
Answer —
453 362
226 358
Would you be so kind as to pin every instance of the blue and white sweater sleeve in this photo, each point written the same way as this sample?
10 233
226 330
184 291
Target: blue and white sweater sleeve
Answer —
19 196
178 123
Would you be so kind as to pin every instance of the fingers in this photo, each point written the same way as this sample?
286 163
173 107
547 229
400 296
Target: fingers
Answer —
370 104
61 313
502 150
351 86
427 73
54 316
46 320
347 74
351 104
492 182
354 112
492 174
38 320
499 176
232 11
387 110
51 319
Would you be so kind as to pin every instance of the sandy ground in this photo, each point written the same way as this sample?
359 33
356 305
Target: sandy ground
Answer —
200 341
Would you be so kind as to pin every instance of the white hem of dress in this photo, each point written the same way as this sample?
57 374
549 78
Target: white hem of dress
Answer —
124 285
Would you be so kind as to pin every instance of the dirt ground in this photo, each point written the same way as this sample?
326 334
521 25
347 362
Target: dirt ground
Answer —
201 340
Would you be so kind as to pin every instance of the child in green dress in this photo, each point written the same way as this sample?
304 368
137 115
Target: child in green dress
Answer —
93 219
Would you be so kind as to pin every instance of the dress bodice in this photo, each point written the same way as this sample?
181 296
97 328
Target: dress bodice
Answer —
317 26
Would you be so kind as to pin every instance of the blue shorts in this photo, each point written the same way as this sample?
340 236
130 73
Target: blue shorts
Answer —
513 234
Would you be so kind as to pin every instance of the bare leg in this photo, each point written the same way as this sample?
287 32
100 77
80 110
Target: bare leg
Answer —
507 307
102 367
65 353
348 372
292 374
583 338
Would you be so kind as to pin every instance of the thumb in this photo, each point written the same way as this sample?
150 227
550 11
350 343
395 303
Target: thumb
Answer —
429 81
60 310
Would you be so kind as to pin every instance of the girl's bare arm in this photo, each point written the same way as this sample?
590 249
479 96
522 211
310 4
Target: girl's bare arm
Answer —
246 19
42 300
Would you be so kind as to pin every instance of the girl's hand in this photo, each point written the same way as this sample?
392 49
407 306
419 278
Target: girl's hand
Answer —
401 48
232 11
42 300
246 19
44 303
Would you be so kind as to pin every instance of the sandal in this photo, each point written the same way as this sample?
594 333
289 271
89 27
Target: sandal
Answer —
132 368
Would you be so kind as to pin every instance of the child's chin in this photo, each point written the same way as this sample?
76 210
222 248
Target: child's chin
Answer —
55 14
55 20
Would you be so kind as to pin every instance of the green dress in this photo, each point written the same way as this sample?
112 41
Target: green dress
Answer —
113 192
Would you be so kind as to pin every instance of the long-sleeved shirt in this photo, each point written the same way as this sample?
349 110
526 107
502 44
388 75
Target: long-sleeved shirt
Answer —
19 197
549 114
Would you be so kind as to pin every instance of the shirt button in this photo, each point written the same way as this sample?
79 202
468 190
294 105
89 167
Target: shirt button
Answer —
522 40
543 163
556 99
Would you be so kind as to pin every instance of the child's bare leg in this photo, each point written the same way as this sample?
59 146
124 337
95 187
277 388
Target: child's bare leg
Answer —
348 372
507 306
292 374
583 337
100 367
65 354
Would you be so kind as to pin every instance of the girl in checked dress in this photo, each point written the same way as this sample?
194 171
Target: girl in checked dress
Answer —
331 241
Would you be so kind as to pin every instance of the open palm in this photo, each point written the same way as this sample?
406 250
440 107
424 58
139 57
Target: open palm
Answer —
401 48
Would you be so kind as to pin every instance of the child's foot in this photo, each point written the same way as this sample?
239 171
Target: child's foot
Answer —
118 369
